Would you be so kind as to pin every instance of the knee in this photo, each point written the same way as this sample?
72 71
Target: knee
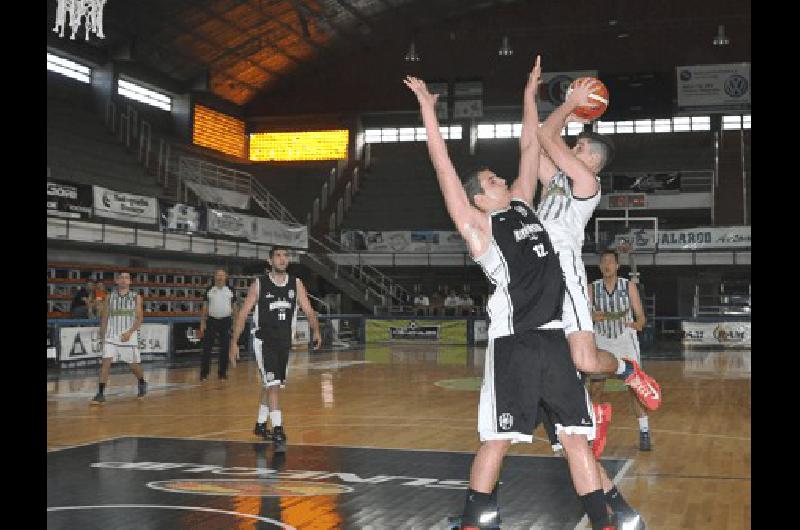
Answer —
497 446
571 442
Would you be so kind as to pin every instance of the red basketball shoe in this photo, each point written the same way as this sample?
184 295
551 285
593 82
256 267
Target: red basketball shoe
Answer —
602 418
647 389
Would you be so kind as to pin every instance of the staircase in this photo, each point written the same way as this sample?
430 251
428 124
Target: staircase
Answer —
175 166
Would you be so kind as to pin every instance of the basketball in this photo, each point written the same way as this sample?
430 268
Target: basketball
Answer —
598 95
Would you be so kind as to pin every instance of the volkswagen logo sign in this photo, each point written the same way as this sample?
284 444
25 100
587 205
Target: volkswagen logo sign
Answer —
736 86
685 75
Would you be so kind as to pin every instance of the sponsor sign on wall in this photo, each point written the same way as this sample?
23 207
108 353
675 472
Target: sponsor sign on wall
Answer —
480 331
722 334
257 229
403 241
422 331
179 217
714 86
703 238
125 206
214 195
69 200
84 342
186 338
553 88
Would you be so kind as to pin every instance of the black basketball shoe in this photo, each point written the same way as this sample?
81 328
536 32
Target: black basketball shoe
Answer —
98 398
261 430
142 389
279 439
644 441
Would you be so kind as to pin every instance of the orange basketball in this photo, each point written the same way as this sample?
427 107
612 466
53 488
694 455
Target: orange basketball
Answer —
599 96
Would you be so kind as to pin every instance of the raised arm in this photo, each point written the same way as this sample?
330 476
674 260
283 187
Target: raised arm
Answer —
311 315
584 181
241 317
469 221
525 185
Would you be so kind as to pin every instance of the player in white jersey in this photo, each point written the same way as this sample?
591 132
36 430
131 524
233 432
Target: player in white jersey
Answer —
121 316
615 302
571 193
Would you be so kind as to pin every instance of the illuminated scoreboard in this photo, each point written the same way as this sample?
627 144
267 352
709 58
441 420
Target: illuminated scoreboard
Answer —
218 131
297 146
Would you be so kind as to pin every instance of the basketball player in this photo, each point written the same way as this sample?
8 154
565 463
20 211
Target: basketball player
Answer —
527 358
275 297
615 301
121 316
571 193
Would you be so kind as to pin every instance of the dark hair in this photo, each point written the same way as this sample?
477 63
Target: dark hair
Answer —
612 252
601 145
472 184
275 249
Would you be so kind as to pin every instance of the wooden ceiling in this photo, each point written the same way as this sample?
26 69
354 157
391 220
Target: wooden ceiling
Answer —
249 47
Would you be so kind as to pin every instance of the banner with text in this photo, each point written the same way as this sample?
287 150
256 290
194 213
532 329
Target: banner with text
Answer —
125 206
403 241
257 229
69 200
186 338
714 86
84 342
722 334
179 217
704 238
421 331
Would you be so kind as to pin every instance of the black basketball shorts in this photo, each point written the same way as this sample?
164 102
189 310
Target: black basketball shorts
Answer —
272 359
522 372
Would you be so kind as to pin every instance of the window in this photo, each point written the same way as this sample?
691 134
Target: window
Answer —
574 129
605 127
746 121
683 123
624 127
643 126
408 134
660 126
701 123
144 95
69 68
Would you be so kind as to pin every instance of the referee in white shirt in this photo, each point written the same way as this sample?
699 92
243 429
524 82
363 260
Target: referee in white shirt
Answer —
216 318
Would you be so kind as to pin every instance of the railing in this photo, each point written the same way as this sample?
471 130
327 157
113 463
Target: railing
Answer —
721 304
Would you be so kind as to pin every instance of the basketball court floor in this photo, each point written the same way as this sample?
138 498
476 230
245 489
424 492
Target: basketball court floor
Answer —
378 438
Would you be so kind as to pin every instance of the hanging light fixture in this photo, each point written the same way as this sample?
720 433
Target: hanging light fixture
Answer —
721 39
505 50
411 54
72 13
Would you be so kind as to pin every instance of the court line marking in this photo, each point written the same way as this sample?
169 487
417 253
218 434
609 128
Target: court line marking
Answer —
169 507
582 524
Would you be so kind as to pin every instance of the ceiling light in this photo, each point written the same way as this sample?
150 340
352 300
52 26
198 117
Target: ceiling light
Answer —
505 50
721 39
411 54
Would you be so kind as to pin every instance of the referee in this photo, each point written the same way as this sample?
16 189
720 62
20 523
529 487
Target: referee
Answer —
216 317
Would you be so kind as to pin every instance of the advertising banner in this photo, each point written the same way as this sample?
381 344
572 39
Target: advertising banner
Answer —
179 217
257 229
68 200
403 241
702 238
714 86
480 331
722 334
84 342
125 206
421 331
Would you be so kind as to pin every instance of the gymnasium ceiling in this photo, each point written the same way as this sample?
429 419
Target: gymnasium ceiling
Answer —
249 48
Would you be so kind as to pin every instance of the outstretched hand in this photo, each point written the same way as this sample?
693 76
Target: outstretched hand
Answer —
420 90
534 76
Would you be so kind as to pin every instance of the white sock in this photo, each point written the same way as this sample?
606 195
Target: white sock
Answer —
263 412
620 366
275 417
643 425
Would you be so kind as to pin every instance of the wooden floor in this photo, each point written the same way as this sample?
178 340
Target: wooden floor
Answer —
696 477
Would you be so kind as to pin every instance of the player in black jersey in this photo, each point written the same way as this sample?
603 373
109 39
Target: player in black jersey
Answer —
527 359
275 297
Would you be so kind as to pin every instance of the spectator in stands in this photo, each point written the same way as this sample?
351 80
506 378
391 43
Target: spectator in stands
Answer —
421 304
98 297
466 300
216 317
80 303
452 299
91 310
436 302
